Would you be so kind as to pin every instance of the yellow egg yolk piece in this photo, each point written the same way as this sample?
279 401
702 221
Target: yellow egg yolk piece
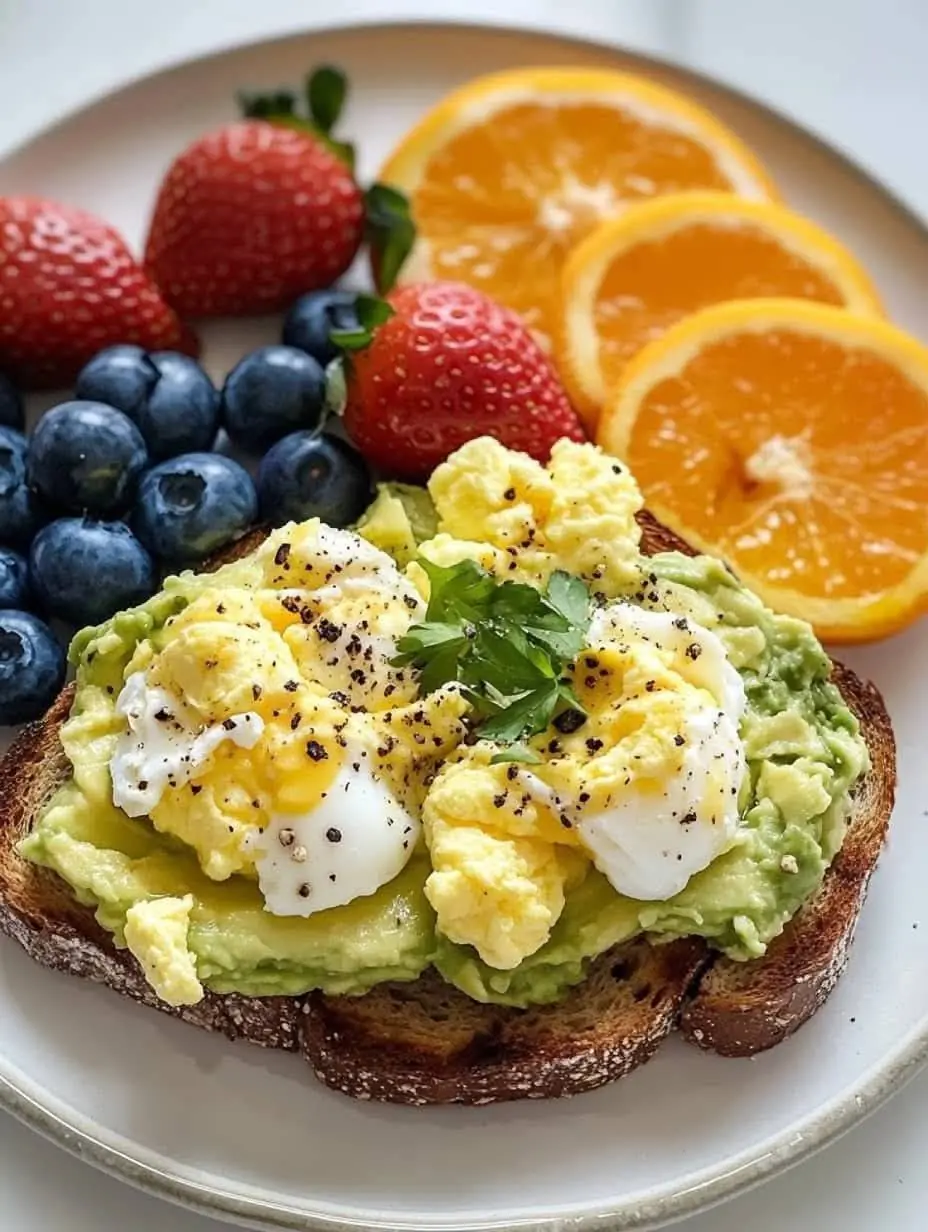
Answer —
267 689
522 521
647 788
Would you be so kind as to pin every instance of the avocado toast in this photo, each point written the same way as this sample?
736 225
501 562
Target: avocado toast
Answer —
423 1040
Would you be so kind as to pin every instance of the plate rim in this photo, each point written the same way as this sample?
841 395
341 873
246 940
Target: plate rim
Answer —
40 1110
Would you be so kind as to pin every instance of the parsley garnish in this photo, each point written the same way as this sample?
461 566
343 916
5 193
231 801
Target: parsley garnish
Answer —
506 643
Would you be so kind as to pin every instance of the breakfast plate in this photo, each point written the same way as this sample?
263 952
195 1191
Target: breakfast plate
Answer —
234 1132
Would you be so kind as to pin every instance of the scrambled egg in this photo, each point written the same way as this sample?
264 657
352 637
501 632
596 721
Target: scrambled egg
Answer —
156 933
300 656
259 709
522 521
648 787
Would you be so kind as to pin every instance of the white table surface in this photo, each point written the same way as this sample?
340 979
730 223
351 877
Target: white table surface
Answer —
854 70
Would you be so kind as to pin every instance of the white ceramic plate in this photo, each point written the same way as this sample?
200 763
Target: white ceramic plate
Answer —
231 1131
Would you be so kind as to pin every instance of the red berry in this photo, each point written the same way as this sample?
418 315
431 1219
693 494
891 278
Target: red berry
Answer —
450 365
69 287
251 216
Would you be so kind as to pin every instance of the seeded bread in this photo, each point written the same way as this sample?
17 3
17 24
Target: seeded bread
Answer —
425 1042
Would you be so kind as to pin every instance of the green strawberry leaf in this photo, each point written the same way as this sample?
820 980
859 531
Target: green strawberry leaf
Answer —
390 231
371 312
326 91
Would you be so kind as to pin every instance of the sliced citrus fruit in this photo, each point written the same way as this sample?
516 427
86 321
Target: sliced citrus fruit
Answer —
508 173
634 276
791 439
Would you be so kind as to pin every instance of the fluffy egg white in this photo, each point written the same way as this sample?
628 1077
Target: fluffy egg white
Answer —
649 845
356 839
163 744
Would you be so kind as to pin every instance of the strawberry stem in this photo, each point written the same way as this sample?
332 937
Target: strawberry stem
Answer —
325 94
390 231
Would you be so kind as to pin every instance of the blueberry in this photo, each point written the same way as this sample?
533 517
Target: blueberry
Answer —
12 411
121 376
192 505
312 318
32 667
271 392
20 512
14 580
313 475
167 395
86 457
83 571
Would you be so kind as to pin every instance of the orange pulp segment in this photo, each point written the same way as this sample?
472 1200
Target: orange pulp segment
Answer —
634 276
791 439
507 173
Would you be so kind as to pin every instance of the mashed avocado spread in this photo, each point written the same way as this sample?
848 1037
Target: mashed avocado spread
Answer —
803 755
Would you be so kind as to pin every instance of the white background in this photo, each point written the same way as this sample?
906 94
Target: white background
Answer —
854 70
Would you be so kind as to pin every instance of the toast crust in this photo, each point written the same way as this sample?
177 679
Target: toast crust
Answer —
739 1011
426 1042
431 1044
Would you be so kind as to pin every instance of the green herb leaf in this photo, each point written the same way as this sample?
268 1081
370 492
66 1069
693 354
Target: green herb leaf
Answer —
531 713
390 231
570 597
422 640
326 91
459 592
506 643
516 752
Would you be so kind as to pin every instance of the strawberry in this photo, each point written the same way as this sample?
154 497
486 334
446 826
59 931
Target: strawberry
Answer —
69 286
257 212
444 364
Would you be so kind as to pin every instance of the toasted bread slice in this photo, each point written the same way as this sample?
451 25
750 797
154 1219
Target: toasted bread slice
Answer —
38 909
744 1008
425 1042
428 1043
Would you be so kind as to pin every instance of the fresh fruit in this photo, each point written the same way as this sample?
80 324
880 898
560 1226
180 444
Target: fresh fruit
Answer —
122 376
190 506
14 580
12 411
448 365
509 172
166 394
20 512
86 457
257 212
634 276
270 392
68 287
83 571
313 475
790 438
32 667
310 321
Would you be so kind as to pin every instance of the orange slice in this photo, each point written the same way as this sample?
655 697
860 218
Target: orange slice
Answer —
634 276
791 439
508 173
